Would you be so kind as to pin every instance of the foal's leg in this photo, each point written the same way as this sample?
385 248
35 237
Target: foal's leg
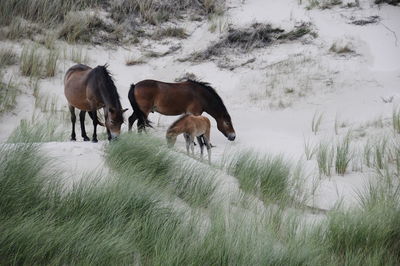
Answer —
191 144
200 141
73 120
132 120
82 120
208 144
95 123
187 140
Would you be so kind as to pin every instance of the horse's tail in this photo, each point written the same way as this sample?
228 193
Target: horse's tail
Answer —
140 115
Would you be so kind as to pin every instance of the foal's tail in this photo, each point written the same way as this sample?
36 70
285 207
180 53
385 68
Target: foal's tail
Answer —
140 115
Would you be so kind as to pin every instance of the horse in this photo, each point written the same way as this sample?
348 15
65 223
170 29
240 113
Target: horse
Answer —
190 96
191 126
89 89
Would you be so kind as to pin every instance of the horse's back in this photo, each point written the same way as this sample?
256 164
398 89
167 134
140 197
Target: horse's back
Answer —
75 86
165 98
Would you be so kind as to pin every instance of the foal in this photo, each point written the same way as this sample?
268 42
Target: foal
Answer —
191 126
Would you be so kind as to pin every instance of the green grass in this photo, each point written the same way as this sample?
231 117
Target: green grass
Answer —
267 177
39 129
7 57
31 62
316 122
324 155
78 55
396 120
50 63
343 155
8 94
135 215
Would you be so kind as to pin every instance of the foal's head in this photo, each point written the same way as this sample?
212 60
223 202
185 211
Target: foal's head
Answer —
114 119
224 124
171 139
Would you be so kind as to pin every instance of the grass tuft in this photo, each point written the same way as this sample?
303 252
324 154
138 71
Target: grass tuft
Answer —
343 155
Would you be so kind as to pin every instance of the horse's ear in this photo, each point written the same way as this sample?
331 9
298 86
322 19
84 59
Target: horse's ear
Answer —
124 110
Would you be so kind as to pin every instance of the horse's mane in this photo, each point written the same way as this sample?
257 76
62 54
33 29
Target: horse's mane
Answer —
211 91
104 81
177 121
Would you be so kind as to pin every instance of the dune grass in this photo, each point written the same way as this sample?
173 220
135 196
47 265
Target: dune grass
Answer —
133 216
267 177
316 122
325 155
8 94
7 57
31 63
39 129
396 120
343 155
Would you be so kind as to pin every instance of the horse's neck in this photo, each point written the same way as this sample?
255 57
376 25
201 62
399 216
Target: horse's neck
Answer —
211 106
176 130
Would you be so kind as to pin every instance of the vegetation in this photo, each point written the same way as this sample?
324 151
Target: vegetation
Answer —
169 32
154 208
343 155
8 94
325 154
316 122
7 57
39 129
245 40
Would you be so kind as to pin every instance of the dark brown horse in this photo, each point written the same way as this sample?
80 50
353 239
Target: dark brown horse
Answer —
178 98
89 90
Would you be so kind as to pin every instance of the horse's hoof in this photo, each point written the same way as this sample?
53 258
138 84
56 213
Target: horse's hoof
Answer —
86 139
73 139
94 140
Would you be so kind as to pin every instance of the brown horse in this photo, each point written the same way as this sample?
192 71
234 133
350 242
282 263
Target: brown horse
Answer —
178 98
191 126
89 90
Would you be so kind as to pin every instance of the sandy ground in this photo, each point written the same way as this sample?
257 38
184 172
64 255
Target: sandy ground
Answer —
347 87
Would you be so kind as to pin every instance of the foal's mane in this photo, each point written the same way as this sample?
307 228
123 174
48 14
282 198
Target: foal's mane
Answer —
102 78
178 121
211 91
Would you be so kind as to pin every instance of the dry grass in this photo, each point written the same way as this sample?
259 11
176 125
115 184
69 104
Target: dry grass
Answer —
169 32
247 39
8 56
82 27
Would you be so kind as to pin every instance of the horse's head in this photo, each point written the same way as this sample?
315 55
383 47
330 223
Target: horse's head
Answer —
114 120
224 125
171 139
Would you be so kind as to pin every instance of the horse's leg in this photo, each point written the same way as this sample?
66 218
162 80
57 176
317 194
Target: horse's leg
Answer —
95 123
191 144
187 140
132 120
200 141
109 137
82 120
73 120
207 142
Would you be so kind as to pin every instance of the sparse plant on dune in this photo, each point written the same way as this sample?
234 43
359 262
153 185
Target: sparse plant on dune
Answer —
316 122
7 57
309 149
8 94
325 154
396 120
31 63
169 32
343 154
78 55
51 62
